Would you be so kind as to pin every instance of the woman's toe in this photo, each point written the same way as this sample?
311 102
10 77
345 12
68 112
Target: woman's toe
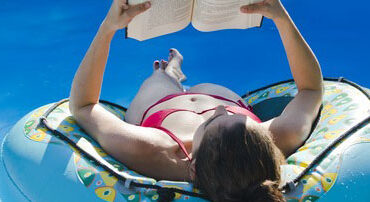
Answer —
174 53
173 50
163 64
156 65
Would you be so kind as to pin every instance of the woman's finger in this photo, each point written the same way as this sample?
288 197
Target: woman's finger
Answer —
254 8
134 10
121 1
125 6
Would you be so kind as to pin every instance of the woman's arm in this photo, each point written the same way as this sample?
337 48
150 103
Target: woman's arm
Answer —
86 86
130 144
303 64
88 79
291 128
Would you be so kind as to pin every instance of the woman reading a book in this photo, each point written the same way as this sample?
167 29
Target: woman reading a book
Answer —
206 135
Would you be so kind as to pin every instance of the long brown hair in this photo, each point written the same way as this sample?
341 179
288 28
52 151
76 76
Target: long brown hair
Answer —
237 163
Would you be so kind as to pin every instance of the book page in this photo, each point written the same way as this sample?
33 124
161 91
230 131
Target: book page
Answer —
164 17
211 15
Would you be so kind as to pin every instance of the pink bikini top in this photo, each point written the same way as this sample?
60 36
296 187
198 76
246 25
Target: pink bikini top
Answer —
155 120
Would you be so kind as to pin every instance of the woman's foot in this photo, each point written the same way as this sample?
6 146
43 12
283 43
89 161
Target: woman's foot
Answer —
173 68
162 66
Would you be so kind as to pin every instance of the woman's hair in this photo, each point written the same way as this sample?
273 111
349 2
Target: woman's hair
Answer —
237 163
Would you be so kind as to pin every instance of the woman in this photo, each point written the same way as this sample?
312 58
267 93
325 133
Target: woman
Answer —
205 135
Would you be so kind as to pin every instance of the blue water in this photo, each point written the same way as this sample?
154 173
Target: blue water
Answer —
42 43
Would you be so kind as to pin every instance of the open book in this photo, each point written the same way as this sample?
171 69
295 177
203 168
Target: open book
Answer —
168 16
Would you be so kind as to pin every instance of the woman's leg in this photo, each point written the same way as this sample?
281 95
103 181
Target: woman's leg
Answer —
215 89
161 83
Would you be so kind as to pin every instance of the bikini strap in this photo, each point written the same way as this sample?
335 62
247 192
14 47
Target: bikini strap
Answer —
168 97
156 119
174 137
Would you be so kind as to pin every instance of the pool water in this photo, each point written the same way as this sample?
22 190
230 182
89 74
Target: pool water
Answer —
43 42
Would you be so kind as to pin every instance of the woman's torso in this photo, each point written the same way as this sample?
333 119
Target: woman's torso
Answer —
183 124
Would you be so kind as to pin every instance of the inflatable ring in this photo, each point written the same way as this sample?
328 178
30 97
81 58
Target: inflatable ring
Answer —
46 156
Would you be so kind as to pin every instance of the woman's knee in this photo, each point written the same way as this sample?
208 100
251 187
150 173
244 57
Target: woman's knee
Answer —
210 88
204 86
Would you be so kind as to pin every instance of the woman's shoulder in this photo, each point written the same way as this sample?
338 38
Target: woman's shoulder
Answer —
163 162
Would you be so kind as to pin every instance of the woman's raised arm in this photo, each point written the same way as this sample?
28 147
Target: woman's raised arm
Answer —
147 150
135 146
303 64
87 82
88 79
292 127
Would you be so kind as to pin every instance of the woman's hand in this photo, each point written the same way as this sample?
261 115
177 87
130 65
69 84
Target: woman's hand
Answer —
272 9
120 14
